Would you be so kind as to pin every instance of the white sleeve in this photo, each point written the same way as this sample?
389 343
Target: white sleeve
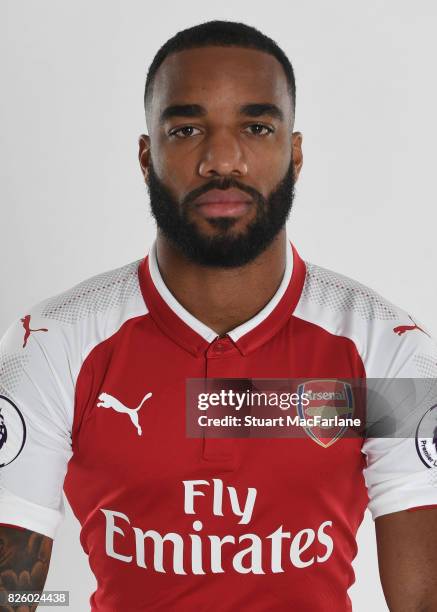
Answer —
401 471
36 395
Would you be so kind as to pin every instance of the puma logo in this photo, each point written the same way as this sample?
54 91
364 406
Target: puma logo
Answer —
108 401
401 329
27 331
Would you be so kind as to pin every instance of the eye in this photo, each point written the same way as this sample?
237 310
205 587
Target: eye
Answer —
259 129
184 132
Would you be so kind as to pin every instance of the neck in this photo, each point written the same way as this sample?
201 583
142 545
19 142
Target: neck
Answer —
222 298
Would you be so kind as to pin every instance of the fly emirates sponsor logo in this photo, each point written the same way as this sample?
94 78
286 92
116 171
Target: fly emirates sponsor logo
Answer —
168 553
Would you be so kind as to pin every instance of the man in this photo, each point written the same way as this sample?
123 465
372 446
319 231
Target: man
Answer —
172 522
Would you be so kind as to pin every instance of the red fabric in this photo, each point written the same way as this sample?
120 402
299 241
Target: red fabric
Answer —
13 526
300 485
421 508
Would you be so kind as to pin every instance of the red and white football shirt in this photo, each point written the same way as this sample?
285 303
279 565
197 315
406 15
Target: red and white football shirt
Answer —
92 387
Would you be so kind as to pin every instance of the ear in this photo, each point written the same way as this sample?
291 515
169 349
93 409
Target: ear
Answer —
144 154
296 139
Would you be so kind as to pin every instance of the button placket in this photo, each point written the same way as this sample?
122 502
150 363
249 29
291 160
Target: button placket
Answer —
220 450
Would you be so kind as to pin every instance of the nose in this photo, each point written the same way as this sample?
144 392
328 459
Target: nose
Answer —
222 156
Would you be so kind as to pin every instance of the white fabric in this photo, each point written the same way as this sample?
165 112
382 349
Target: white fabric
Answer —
40 379
20 512
395 476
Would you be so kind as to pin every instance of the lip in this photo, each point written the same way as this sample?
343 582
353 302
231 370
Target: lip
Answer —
228 196
223 203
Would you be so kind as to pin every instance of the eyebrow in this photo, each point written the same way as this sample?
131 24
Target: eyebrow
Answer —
196 110
182 110
257 110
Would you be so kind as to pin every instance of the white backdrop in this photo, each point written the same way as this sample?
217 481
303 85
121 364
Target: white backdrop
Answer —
74 204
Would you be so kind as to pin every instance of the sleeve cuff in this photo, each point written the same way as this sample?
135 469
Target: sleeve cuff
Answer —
20 512
404 500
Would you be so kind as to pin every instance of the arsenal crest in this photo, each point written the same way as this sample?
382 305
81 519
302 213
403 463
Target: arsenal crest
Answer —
329 407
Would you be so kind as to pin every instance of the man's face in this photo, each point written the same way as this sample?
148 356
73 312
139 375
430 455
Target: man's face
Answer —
221 159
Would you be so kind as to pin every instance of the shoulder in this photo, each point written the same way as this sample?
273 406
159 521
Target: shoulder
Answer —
98 294
62 329
386 335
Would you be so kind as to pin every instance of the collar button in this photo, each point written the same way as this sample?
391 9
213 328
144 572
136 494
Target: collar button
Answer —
220 344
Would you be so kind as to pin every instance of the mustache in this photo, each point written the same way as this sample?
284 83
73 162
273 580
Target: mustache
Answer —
223 184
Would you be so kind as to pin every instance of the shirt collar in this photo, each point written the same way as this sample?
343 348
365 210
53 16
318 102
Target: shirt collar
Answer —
193 335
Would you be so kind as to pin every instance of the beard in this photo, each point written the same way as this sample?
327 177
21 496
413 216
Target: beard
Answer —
225 249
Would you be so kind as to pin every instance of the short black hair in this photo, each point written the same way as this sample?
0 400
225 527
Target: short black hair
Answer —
221 34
